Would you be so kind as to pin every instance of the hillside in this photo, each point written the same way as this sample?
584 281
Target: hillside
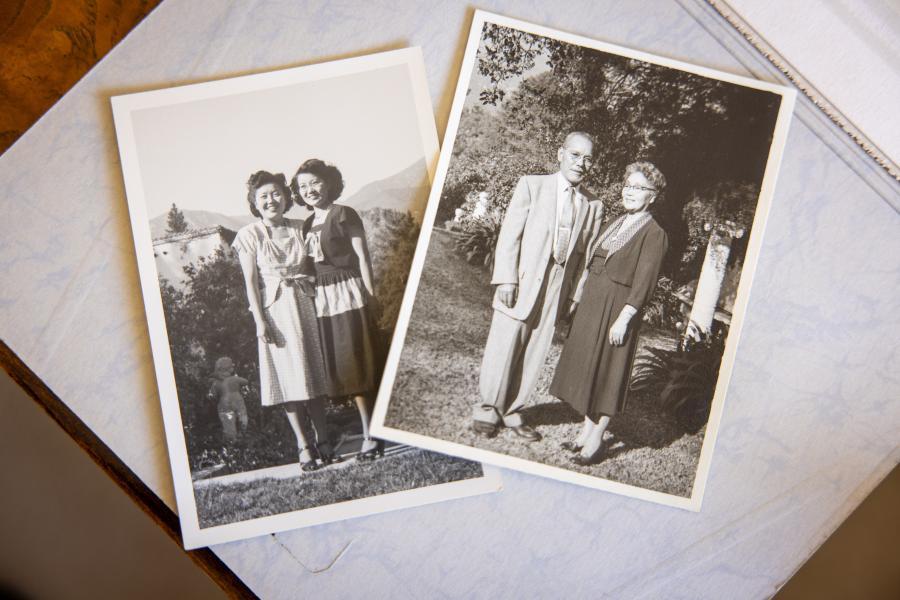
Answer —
403 191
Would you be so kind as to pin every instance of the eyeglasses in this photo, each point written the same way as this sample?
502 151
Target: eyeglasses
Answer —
585 158
638 188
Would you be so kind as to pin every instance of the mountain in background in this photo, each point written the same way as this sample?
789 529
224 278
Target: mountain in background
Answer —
404 191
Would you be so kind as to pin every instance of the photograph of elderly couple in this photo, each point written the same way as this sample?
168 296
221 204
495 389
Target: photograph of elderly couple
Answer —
283 217
579 284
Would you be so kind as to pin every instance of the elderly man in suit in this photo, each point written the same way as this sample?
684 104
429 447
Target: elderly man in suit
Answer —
539 271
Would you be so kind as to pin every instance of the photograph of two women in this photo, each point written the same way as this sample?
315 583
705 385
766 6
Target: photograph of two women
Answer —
275 218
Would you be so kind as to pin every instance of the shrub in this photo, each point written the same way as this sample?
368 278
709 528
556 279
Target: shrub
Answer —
392 237
683 380
664 309
477 242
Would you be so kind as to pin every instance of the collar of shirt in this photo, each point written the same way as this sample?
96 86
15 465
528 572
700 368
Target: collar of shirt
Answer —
629 219
562 188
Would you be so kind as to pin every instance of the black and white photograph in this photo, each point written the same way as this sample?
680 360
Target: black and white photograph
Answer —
576 299
275 217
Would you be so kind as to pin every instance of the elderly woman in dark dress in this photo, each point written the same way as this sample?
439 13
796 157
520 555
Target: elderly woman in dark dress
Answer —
595 365
345 291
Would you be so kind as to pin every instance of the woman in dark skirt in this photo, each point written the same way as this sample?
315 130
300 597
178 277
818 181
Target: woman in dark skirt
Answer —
595 365
345 291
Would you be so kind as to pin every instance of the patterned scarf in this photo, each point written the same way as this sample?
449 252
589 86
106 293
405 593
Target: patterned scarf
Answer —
615 237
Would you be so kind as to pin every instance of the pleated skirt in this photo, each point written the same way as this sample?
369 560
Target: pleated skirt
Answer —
348 333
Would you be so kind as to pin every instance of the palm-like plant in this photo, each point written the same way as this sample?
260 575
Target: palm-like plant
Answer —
477 243
682 380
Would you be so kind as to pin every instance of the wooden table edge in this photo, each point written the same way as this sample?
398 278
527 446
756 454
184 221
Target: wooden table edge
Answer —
118 471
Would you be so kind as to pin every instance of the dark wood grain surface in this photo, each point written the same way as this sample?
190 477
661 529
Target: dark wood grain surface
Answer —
46 46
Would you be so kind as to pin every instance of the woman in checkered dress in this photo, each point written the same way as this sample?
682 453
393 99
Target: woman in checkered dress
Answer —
281 294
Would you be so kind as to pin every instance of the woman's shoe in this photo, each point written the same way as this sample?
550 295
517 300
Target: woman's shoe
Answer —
571 446
327 454
586 461
370 450
311 464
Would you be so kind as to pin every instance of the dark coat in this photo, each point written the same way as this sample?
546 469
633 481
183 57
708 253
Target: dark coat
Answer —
341 224
637 263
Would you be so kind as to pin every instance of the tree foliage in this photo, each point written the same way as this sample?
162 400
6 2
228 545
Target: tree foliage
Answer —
207 320
683 381
718 203
175 222
477 241
392 238
704 134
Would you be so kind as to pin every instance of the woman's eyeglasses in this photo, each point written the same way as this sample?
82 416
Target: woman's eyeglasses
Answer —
638 188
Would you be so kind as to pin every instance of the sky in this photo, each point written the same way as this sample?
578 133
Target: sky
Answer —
199 154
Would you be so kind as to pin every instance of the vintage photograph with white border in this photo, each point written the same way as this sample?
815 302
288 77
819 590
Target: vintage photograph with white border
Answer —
586 259
275 217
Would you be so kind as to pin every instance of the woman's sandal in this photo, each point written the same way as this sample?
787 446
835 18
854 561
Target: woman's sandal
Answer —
311 464
586 461
375 450
327 454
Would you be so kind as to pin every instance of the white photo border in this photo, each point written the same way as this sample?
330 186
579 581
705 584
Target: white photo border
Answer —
776 151
122 107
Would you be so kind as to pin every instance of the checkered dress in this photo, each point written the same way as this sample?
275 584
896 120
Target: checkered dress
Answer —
292 368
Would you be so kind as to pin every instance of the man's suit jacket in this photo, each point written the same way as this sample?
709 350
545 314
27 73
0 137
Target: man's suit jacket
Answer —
525 243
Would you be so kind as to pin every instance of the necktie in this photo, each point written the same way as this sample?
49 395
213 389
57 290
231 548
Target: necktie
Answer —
564 227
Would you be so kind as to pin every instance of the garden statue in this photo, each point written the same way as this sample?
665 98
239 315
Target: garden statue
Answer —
712 274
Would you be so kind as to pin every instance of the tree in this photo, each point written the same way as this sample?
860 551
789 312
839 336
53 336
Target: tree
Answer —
175 222
700 132
207 320
392 237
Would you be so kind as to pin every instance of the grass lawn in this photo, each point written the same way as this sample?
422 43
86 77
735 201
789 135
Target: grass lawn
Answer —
220 504
437 384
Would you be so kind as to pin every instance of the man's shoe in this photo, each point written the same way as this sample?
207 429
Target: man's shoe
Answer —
527 432
485 429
